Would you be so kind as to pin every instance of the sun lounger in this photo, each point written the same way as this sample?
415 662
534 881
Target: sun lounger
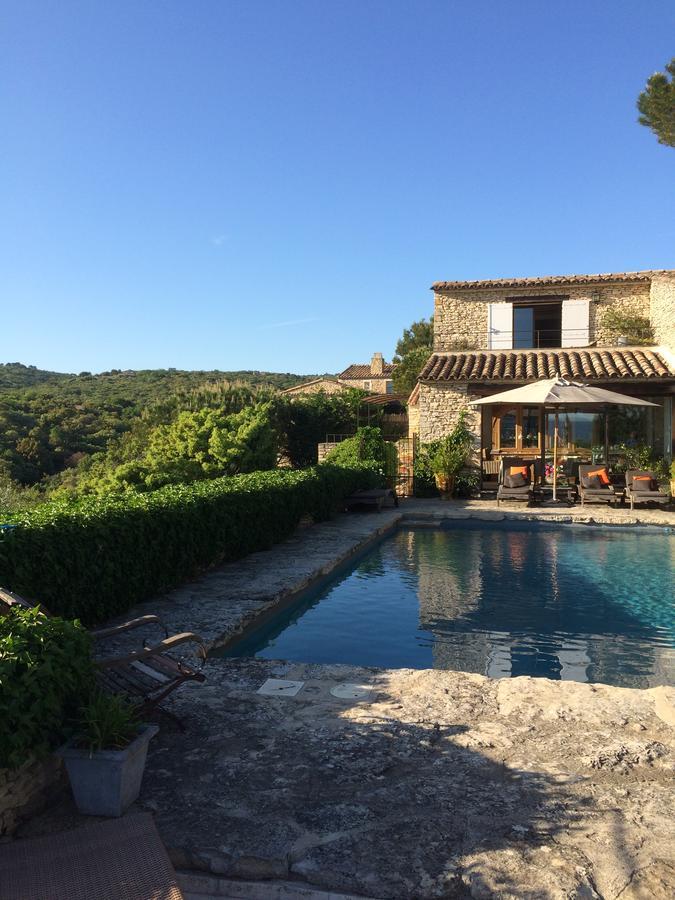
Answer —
514 491
595 487
121 859
377 498
147 675
642 487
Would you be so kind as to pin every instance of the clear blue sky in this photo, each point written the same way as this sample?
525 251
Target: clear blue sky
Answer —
275 185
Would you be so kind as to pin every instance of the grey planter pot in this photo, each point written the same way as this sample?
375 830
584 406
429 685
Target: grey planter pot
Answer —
107 782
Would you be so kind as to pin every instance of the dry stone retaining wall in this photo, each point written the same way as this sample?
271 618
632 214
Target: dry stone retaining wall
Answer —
25 790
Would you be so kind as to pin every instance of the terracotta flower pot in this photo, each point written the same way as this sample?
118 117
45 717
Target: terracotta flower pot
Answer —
446 485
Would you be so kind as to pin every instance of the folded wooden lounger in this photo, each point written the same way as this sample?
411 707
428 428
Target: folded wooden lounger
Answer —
378 498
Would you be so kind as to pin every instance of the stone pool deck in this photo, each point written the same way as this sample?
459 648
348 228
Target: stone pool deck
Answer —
432 784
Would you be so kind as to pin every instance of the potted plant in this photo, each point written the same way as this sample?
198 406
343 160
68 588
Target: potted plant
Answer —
446 464
450 457
106 757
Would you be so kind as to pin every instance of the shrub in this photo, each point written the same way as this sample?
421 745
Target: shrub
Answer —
94 557
636 329
45 671
366 448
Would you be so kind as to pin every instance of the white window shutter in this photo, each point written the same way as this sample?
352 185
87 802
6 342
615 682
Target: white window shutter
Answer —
575 323
500 326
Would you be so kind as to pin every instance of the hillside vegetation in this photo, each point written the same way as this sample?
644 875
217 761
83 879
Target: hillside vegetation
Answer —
50 421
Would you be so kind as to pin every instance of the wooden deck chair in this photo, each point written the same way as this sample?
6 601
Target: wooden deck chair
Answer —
642 487
524 491
594 487
146 676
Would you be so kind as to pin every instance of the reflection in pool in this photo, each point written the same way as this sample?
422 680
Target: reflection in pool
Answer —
571 602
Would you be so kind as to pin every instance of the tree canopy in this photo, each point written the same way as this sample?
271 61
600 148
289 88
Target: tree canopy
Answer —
656 105
412 351
420 334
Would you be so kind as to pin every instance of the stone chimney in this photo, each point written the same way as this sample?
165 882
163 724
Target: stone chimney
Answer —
377 364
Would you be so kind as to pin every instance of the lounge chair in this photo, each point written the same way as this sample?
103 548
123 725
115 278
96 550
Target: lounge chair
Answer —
642 487
516 491
377 498
147 675
594 484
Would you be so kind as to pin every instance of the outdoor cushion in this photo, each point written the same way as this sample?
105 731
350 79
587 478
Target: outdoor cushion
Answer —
601 474
515 480
644 483
592 481
522 470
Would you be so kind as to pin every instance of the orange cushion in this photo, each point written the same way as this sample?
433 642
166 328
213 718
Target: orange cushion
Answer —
642 477
520 470
602 475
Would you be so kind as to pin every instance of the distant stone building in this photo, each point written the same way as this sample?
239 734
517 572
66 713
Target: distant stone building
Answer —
375 377
317 386
493 335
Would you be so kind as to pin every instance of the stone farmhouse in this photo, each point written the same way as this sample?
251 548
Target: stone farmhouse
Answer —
495 334
374 377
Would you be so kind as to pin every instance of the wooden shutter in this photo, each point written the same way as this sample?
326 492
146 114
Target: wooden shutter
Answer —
575 323
500 326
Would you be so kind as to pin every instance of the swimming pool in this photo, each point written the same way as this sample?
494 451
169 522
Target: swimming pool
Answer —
565 602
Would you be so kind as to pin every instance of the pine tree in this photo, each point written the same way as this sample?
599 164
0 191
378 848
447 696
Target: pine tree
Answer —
656 105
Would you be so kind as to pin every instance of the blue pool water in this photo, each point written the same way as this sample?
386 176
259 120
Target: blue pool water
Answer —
574 603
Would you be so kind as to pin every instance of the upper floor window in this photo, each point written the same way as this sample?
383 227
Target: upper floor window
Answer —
520 323
537 325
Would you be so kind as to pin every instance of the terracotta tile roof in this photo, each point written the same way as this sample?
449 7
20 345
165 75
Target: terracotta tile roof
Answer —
549 280
297 388
529 365
358 371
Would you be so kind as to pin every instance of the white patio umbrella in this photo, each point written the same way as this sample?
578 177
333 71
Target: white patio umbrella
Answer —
554 393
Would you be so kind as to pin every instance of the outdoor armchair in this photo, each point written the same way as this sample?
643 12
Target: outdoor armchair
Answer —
593 486
642 487
515 485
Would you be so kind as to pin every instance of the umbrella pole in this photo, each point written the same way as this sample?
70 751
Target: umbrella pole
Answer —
607 438
555 457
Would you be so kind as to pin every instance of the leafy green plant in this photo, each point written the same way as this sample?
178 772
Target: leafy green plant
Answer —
45 671
100 555
366 448
636 329
453 450
106 722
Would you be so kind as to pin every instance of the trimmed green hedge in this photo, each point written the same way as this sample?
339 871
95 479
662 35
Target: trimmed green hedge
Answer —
93 558
45 672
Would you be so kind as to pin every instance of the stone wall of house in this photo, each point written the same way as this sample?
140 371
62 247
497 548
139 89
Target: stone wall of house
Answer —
25 790
439 409
371 383
461 317
662 310
413 419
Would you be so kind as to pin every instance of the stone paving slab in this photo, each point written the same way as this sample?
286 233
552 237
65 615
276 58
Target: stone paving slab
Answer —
440 784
